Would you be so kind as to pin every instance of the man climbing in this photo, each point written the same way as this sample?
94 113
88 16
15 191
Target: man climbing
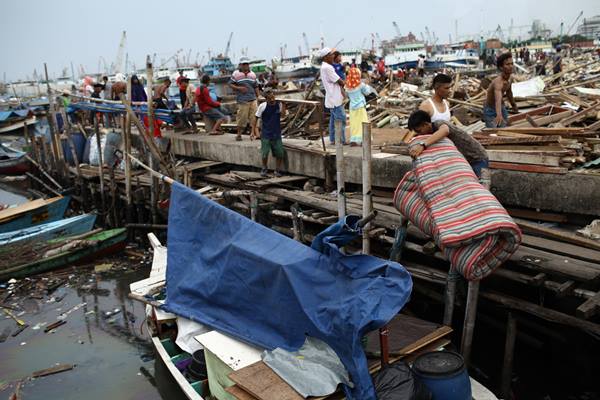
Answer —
269 114
494 111
243 83
442 84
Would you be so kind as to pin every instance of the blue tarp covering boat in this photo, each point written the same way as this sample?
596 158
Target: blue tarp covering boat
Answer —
65 227
5 115
160 113
259 286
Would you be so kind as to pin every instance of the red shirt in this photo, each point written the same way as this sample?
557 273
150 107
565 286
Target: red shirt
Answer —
381 66
178 83
157 124
205 102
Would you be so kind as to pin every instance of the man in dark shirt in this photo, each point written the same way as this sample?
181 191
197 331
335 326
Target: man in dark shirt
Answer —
420 122
269 114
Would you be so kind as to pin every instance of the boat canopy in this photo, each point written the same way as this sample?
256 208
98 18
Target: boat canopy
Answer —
250 282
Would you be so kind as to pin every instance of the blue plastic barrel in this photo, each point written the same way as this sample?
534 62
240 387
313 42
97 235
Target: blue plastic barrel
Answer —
444 374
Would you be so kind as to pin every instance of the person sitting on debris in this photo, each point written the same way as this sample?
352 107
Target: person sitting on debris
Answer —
494 111
161 94
441 89
334 98
243 83
187 108
337 65
209 107
356 91
138 94
269 114
420 122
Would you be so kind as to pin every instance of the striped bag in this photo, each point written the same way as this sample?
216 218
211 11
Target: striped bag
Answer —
443 197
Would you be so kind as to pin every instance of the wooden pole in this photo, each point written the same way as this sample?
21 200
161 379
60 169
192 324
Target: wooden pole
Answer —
297 223
449 296
53 127
253 206
321 112
469 323
339 162
509 353
154 182
366 183
100 167
127 145
29 140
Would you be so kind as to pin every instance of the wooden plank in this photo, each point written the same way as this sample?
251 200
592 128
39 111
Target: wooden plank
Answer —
590 307
536 215
565 249
490 140
542 169
564 236
53 370
239 393
520 158
554 264
263 383
235 354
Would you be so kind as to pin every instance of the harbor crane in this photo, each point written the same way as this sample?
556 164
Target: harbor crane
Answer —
572 25
398 34
228 45
120 53
306 43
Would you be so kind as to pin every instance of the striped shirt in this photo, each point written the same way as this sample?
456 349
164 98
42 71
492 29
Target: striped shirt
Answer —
247 80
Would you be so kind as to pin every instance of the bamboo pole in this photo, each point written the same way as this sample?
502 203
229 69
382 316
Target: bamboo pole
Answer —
60 166
38 180
153 183
366 183
158 175
39 167
127 145
100 167
339 162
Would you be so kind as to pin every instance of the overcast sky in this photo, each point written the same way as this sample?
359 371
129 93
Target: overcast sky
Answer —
63 31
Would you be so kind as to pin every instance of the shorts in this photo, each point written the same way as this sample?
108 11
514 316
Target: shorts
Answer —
215 114
245 113
489 117
274 145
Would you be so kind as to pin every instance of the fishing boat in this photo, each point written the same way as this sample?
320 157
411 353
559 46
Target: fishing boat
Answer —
11 120
405 55
294 67
36 212
29 259
64 227
451 57
13 162
258 66
219 68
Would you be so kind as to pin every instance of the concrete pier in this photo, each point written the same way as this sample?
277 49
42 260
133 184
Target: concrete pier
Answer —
571 193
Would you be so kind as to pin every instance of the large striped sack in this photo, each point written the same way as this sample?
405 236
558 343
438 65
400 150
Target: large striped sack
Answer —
443 197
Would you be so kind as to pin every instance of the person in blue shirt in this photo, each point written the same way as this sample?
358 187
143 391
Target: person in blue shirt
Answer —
269 114
338 66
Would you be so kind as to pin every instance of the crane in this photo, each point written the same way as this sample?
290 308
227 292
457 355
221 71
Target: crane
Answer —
120 51
574 22
300 50
228 45
397 29
306 43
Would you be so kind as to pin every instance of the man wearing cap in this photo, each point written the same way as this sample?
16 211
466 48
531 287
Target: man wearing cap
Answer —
243 83
334 98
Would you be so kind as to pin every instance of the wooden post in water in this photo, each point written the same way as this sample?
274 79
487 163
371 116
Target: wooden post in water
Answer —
509 353
127 145
339 164
100 169
154 181
60 167
366 183
31 141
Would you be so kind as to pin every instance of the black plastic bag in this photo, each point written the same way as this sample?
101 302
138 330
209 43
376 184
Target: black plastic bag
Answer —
397 382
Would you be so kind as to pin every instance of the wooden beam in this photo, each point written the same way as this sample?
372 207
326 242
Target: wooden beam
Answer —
568 237
528 168
590 307
520 158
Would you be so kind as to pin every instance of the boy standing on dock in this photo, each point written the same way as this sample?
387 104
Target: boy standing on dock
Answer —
269 114
494 111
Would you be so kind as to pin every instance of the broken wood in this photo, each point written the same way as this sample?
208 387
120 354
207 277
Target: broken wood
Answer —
53 370
528 168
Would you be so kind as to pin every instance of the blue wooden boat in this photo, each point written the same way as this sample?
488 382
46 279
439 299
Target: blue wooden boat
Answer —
34 213
64 227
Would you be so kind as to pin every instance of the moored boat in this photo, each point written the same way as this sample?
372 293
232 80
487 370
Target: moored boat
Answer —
33 213
28 260
13 162
64 227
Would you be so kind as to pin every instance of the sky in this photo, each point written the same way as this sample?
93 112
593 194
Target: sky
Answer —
58 32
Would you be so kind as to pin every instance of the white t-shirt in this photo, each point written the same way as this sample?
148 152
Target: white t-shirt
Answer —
261 109
333 91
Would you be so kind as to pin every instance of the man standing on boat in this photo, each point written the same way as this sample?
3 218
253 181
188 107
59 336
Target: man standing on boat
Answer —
494 111
334 98
437 106
243 83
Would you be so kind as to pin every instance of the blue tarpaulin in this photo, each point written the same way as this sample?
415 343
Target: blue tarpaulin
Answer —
160 113
253 283
4 115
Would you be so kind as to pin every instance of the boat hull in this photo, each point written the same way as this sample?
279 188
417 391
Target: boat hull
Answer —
106 243
297 73
52 230
48 212
16 166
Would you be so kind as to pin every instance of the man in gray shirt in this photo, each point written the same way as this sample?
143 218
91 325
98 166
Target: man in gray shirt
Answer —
243 83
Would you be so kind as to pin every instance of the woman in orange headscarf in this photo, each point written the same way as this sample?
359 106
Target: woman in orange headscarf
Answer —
356 91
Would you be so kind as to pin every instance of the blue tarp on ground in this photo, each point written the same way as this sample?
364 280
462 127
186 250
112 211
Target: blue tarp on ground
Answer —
264 288
160 113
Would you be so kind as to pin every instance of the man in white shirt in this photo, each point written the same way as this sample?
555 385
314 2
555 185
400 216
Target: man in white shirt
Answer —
334 98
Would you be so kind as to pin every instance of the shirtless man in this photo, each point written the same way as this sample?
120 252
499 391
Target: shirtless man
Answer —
437 106
494 111
161 94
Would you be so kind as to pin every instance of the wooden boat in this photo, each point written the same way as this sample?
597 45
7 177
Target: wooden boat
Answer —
60 252
33 213
163 327
52 230
13 162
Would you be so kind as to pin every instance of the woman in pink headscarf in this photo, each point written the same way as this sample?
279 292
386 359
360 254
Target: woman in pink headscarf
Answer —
356 91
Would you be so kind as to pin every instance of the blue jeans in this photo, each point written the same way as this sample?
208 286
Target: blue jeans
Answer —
489 115
336 114
477 166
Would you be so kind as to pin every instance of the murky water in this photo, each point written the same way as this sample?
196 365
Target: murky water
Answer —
7 197
113 354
